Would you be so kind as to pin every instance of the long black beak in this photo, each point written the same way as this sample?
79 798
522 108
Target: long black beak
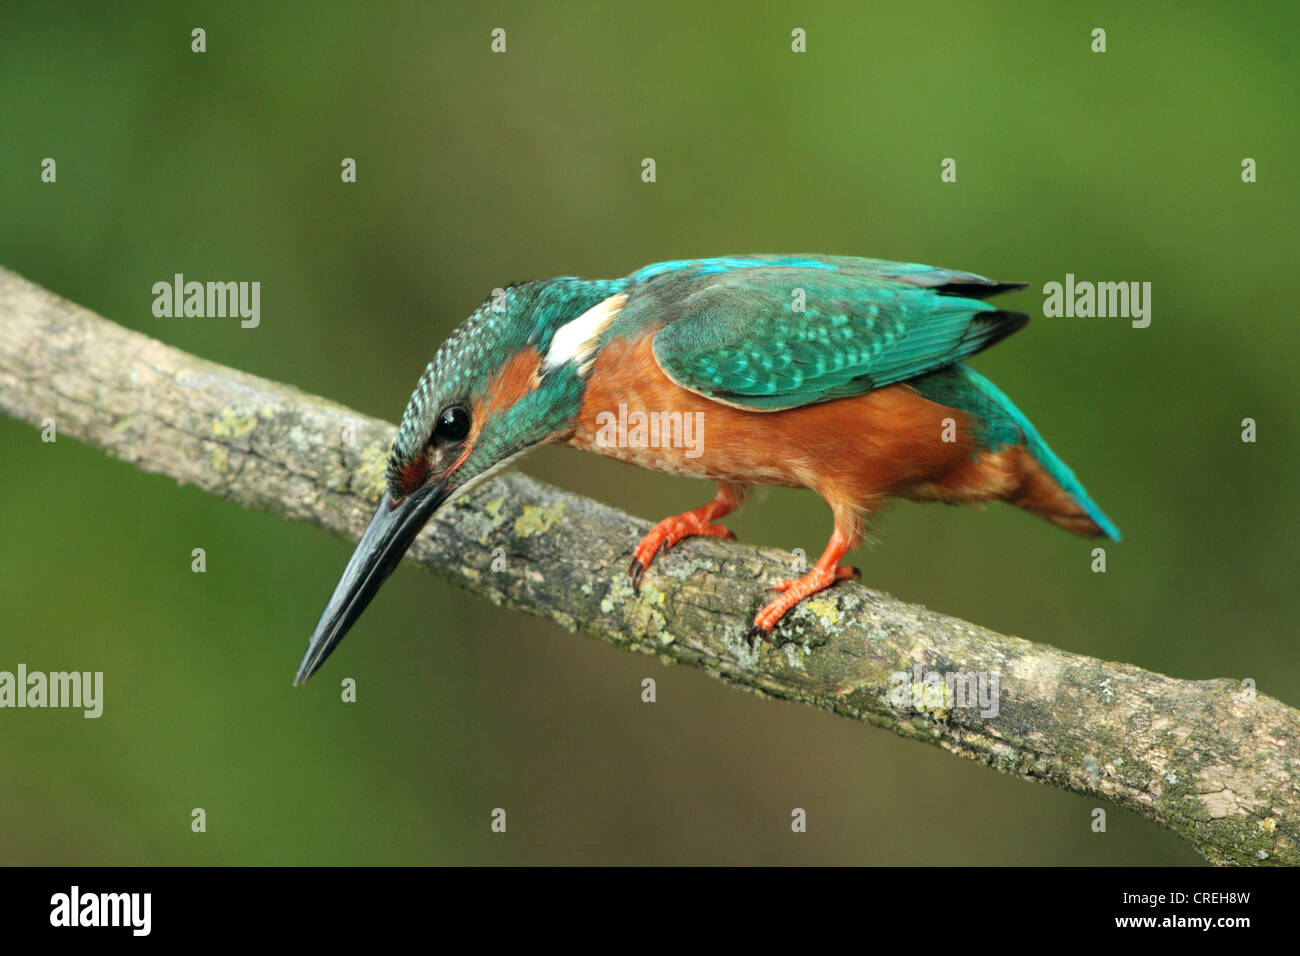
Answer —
380 550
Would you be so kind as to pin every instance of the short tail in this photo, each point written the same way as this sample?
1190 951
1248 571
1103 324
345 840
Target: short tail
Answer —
1048 487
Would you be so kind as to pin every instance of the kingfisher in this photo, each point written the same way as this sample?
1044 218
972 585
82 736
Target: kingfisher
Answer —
843 375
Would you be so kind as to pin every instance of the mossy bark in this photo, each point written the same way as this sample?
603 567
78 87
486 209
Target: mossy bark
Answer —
1211 760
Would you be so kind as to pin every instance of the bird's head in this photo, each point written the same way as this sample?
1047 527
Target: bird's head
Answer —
509 378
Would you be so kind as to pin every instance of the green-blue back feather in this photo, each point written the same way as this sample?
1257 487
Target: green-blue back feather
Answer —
735 332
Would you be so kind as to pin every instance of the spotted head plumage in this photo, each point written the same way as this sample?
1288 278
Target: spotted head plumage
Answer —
509 377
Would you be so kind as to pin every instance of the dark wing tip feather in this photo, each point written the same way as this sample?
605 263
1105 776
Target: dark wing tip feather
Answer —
990 328
978 290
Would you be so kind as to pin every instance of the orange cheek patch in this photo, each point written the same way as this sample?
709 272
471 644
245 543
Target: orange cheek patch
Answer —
516 379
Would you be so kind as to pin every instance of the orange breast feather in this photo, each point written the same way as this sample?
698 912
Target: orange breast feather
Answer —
852 451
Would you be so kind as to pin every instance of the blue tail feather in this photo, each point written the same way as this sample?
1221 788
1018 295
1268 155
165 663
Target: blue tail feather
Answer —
1001 423
1058 469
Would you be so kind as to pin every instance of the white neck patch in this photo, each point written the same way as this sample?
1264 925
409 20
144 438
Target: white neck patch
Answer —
575 341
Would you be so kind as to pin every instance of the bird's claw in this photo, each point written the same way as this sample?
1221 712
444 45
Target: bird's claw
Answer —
843 573
666 534
636 570
795 590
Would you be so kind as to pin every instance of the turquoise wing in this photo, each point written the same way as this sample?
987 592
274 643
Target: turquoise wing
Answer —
769 333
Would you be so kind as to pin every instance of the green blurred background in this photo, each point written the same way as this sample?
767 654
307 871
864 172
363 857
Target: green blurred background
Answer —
475 169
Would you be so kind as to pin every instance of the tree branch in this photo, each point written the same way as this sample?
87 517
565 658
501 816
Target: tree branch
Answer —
1212 761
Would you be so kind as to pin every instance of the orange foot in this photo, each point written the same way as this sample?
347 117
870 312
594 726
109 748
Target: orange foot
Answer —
824 573
698 522
795 590
666 534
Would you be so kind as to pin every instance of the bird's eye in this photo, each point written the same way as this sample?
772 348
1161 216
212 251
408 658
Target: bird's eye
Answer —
453 426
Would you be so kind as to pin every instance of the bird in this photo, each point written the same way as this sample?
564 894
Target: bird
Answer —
842 375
